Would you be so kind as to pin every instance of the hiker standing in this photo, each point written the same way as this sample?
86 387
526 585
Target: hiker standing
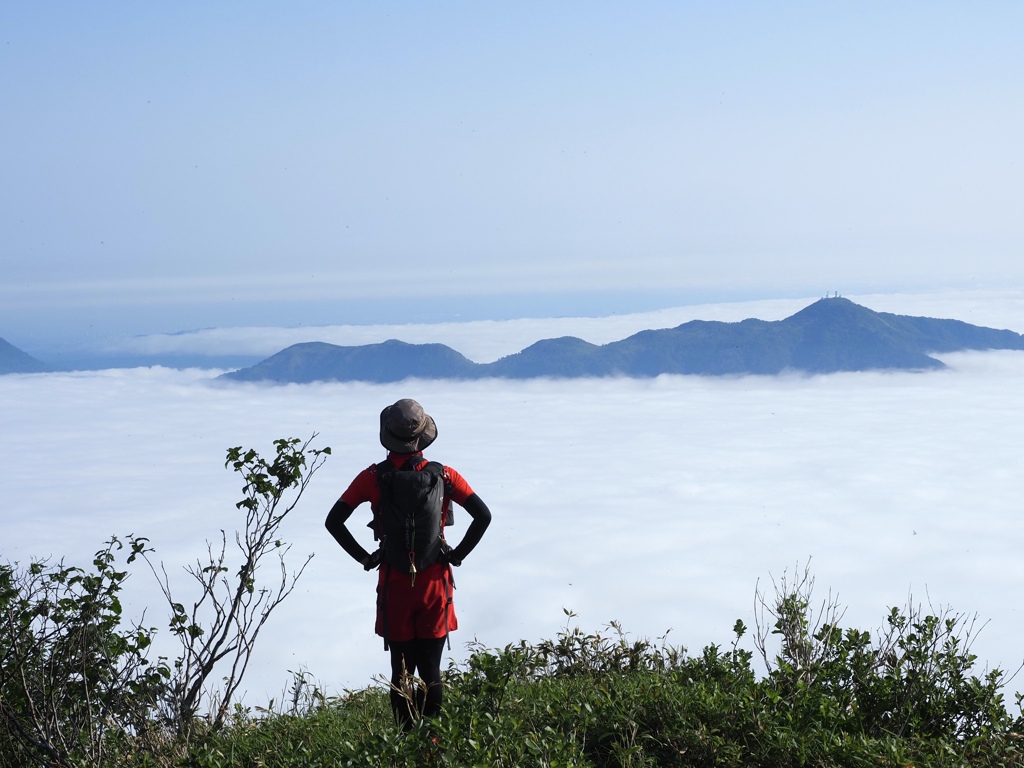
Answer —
410 499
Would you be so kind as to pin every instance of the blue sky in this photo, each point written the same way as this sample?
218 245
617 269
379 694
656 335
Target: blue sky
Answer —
178 166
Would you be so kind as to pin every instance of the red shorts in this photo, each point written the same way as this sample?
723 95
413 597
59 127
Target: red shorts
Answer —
419 611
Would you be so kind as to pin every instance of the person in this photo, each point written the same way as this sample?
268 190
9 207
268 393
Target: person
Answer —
415 611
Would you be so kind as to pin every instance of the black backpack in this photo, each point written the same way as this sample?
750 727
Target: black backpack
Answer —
410 516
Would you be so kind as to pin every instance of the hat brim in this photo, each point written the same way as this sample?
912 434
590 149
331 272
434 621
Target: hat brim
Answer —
397 444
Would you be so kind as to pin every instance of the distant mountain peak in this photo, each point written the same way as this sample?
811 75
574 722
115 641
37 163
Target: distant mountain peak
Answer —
831 308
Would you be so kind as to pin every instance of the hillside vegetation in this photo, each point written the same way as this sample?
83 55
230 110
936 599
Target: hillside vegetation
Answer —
831 698
813 694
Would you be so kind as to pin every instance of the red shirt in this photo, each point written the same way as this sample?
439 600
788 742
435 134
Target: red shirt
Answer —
364 487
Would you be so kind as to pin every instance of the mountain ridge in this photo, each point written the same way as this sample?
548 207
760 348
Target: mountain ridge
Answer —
830 335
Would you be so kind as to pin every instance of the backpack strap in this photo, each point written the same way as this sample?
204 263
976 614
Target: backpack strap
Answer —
449 586
449 489
382 604
378 470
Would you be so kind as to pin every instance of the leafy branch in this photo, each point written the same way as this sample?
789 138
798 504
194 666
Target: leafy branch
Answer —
220 629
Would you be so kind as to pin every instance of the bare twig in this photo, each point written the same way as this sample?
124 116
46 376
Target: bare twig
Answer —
230 610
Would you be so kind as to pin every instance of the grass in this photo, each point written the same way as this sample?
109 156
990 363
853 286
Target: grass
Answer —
601 699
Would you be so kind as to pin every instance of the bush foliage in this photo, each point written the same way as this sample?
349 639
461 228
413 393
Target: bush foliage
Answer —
77 687
602 699
73 681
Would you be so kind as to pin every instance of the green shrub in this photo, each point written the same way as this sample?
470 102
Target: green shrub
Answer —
77 688
73 682
601 699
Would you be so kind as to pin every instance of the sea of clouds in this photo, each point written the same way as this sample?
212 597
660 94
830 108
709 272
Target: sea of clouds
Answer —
660 503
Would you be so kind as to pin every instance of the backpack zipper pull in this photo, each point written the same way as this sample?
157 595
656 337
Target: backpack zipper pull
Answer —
412 568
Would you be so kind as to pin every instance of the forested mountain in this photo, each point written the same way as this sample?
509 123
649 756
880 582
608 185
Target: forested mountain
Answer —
388 361
830 335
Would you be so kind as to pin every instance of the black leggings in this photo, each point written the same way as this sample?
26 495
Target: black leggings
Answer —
423 659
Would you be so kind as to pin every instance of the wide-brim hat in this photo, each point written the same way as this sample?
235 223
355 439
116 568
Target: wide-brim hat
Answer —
406 428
